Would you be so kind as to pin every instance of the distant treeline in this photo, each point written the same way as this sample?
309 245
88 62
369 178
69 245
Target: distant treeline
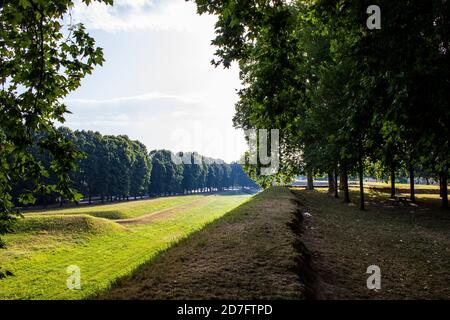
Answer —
115 167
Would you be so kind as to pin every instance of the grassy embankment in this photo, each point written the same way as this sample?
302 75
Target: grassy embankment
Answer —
248 254
46 243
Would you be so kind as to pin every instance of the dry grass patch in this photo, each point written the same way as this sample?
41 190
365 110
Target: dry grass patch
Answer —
411 245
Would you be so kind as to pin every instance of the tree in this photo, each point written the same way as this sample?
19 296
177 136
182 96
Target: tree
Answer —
193 171
166 176
343 96
39 66
240 178
89 177
141 170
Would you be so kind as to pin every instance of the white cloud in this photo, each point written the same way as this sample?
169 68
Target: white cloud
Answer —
129 15
133 3
157 84
188 99
160 122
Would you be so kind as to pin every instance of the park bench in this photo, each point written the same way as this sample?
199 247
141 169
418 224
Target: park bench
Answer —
401 200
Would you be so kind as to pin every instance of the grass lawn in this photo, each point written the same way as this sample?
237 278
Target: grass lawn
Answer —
410 244
249 250
45 244
123 210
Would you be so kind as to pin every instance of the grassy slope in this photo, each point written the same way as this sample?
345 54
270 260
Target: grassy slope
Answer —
247 254
124 210
410 244
40 252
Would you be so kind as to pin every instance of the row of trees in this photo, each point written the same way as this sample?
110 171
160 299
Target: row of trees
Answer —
115 167
347 99
193 172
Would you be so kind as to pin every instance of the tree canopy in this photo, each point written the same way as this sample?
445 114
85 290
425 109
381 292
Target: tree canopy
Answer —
43 57
345 97
115 168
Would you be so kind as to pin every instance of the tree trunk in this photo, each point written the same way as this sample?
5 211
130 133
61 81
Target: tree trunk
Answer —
310 183
444 190
346 191
342 180
331 186
336 189
392 182
411 184
361 185
90 199
103 199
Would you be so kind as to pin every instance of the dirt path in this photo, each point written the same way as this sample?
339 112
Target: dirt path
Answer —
247 254
165 213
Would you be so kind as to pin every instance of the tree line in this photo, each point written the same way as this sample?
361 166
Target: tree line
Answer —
116 168
348 99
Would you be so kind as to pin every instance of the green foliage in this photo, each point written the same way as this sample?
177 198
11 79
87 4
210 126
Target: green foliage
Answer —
167 175
341 94
193 172
42 59
112 167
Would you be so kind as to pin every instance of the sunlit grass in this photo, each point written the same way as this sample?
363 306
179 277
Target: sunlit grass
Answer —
402 185
427 194
124 210
44 246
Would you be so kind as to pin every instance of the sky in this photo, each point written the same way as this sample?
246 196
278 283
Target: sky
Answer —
157 84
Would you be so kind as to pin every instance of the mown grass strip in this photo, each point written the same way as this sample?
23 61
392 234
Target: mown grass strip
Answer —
124 210
39 258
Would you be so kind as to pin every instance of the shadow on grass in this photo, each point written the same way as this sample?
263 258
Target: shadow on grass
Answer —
233 215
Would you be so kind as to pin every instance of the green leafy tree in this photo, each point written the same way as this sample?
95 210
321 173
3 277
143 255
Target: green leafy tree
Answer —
344 97
166 176
40 64
141 170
